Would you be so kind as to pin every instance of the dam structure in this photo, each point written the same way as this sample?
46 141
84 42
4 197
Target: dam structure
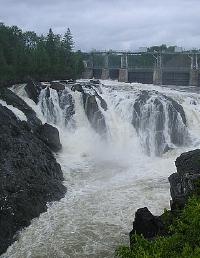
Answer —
158 68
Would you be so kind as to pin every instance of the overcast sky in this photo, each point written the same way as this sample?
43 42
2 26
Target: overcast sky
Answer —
110 24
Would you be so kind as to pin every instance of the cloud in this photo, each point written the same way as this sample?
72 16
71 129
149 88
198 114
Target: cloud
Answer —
110 24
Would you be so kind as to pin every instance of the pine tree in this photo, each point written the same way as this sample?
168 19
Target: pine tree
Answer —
67 41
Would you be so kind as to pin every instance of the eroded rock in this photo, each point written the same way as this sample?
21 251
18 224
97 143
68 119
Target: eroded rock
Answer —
50 136
29 176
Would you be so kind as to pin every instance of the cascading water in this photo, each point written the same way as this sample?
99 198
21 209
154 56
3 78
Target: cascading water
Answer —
119 146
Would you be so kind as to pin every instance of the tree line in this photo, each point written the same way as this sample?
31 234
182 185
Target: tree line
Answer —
26 54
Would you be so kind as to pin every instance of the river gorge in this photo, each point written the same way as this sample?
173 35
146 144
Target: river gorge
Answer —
119 143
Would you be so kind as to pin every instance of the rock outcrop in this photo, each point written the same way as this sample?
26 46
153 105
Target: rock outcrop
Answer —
29 174
183 184
49 135
12 99
57 85
91 107
33 89
152 112
186 181
147 224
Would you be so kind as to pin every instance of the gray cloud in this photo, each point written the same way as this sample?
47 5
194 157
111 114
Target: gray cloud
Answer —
110 24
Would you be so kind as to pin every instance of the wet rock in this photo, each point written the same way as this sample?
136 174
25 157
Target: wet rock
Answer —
154 114
71 81
95 81
186 181
57 86
147 224
12 99
29 176
33 89
183 184
93 113
102 101
77 87
50 136
92 110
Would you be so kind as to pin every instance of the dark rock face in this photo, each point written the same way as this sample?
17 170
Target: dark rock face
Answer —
186 181
151 112
12 99
57 86
66 104
147 224
95 81
29 177
93 113
50 135
33 89
77 87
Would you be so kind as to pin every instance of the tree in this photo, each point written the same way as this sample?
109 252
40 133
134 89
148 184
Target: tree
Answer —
67 41
24 54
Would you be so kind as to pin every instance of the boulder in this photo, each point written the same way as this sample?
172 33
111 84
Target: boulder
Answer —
77 87
57 86
29 177
33 89
147 224
50 136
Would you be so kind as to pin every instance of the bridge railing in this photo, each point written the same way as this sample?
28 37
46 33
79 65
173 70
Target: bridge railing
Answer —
150 68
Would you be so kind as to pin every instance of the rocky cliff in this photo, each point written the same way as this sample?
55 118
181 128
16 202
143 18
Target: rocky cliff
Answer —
29 174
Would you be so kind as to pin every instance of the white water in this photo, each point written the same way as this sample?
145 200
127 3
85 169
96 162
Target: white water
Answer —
18 113
106 180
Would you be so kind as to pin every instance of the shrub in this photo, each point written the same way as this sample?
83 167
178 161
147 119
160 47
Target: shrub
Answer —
184 241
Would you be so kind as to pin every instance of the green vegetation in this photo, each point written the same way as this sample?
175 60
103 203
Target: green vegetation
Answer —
183 242
25 54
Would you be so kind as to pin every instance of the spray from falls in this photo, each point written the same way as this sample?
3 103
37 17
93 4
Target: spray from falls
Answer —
158 121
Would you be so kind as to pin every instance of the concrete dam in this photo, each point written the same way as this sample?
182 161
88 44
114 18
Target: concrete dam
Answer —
159 68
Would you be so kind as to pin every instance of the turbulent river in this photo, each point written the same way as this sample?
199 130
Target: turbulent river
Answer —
110 175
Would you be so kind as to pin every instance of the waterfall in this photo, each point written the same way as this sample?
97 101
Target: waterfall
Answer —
157 120
120 142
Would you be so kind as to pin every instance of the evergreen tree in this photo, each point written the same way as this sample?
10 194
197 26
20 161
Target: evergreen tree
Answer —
67 41
24 54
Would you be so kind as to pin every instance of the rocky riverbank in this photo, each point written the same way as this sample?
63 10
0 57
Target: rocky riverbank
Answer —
30 177
29 174
183 184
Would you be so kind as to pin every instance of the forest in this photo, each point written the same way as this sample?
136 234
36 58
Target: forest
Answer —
42 57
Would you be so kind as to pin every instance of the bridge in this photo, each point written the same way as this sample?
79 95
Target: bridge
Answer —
159 68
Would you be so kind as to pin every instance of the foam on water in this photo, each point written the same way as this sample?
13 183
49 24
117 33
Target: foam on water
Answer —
107 180
18 113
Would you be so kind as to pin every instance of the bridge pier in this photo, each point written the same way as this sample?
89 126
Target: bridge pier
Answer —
157 73
123 71
88 73
194 77
157 76
194 73
123 75
105 74
105 70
